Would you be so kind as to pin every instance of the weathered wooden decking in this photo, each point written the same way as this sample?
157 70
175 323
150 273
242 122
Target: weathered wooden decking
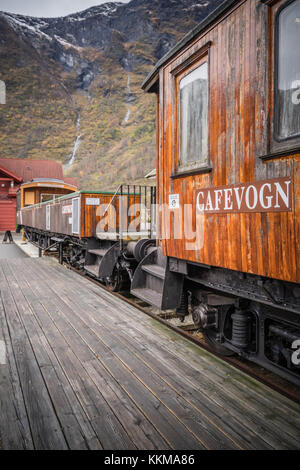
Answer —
81 369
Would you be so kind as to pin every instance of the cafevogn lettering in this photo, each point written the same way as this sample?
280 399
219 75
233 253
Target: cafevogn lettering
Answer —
273 195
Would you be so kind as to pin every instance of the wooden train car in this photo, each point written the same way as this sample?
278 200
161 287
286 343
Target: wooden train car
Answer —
90 229
43 190
228 174
75 214
87 214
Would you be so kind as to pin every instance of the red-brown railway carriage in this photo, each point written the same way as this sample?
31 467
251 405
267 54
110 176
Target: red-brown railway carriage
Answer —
228 170
91 229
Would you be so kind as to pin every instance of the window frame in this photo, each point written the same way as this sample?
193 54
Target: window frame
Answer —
194 61
55 196
78 199
276 136
48 217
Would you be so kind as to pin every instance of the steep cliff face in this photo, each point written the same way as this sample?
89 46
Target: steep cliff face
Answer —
73 85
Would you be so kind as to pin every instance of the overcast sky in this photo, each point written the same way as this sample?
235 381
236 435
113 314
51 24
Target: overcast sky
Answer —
49 8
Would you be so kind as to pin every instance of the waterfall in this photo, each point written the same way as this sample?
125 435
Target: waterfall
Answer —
128 84
126 118
76 145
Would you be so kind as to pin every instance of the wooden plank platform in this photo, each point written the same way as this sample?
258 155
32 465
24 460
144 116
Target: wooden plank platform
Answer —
80 369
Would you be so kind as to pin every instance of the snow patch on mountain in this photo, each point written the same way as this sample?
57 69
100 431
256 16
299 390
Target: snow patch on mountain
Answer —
67 44
18 22
107 9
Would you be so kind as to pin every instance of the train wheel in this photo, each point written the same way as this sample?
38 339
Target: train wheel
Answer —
119 281
114 284
210 337
205 318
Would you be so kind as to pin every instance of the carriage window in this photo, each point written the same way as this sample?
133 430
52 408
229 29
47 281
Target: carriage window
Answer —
75 215
48 217
49 197
193 101
288 72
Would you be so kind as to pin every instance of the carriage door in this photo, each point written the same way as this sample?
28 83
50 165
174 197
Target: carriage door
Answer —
75 214
48 217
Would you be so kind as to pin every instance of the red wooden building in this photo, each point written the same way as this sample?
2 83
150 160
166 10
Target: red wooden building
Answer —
14 172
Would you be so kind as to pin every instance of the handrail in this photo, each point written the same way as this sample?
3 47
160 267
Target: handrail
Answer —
110 202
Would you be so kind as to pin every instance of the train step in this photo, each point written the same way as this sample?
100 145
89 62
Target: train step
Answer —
148 295
92 269
101 258
154 283
98 252
155 270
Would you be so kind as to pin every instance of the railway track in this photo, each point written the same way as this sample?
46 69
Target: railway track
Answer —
189 332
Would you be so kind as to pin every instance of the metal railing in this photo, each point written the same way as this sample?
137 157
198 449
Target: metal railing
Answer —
136 207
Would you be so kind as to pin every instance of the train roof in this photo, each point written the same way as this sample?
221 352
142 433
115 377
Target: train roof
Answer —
150 80
76 194
48 183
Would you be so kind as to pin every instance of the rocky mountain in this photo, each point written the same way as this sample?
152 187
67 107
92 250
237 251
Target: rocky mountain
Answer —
73 85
